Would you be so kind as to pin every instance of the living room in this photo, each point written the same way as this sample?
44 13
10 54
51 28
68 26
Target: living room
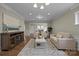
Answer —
63 18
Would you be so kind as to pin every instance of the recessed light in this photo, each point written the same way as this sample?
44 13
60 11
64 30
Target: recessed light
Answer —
35 6
30 13
48 13
42 7
39 16
47 3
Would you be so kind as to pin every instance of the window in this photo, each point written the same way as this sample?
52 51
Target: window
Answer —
77 18
41 27
38 27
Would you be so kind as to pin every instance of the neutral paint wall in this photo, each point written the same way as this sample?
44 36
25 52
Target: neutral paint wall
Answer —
0 19
12 18
26 28
67 24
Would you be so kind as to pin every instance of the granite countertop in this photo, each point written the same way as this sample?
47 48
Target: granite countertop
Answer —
10 31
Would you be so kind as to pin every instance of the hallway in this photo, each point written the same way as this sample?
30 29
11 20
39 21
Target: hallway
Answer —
41 50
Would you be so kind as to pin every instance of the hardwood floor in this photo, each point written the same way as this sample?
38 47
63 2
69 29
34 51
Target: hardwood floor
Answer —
14 51
72 53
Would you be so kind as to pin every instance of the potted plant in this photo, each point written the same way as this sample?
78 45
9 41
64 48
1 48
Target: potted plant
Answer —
49 29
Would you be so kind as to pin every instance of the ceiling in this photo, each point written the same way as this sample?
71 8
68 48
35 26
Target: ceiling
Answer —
31 14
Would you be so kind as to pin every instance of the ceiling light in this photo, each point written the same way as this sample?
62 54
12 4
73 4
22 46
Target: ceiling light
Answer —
42 7
39 17
47 3
30 13
48 13
35 6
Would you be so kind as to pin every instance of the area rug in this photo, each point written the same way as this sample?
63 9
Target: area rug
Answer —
43 49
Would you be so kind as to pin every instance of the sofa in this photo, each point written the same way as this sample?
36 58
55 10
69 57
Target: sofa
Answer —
63 40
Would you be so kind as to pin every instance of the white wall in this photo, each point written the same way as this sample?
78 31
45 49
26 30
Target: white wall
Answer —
67 24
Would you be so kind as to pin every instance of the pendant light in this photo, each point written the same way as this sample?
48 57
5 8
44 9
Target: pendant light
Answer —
35 6
42 7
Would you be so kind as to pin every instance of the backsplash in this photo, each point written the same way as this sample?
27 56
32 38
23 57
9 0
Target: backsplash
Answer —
10 27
